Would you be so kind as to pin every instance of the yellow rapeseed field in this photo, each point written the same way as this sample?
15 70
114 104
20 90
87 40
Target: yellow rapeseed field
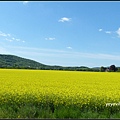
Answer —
60 87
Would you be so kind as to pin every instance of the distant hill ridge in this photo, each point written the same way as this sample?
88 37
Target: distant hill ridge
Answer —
12 61
15 62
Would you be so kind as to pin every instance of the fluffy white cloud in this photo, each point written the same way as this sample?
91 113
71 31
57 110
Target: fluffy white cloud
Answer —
118 32
100 30
64 19
50 38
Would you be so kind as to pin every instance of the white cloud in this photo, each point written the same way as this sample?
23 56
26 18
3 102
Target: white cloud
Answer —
64 19
9 37
50 38
100 30
108 32
10 40
118 32
69 47
4 34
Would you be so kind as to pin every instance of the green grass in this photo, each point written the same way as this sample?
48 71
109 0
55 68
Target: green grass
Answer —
32 111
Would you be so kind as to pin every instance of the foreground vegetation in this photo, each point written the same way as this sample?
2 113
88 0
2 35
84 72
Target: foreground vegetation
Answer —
59 94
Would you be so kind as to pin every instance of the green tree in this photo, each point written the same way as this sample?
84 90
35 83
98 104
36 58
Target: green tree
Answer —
102 69
113 68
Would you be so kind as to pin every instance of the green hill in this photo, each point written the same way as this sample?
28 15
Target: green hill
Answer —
12 61
15 62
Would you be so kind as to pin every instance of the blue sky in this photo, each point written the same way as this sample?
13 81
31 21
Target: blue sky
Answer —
62 33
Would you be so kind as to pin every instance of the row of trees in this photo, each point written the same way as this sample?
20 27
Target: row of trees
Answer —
112 68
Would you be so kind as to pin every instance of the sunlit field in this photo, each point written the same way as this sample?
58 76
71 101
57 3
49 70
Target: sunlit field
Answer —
59 94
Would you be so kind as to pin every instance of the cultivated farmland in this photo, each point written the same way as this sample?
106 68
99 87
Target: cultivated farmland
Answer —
59 94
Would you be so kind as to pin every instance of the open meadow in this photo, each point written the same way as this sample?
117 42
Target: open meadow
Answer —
59 94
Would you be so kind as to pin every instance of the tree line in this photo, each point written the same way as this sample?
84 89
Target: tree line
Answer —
15 62
112 68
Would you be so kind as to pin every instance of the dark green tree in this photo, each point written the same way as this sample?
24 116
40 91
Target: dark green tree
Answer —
112 68
102 69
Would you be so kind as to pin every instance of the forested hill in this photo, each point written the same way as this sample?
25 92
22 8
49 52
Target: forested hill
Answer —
15 62
12 61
